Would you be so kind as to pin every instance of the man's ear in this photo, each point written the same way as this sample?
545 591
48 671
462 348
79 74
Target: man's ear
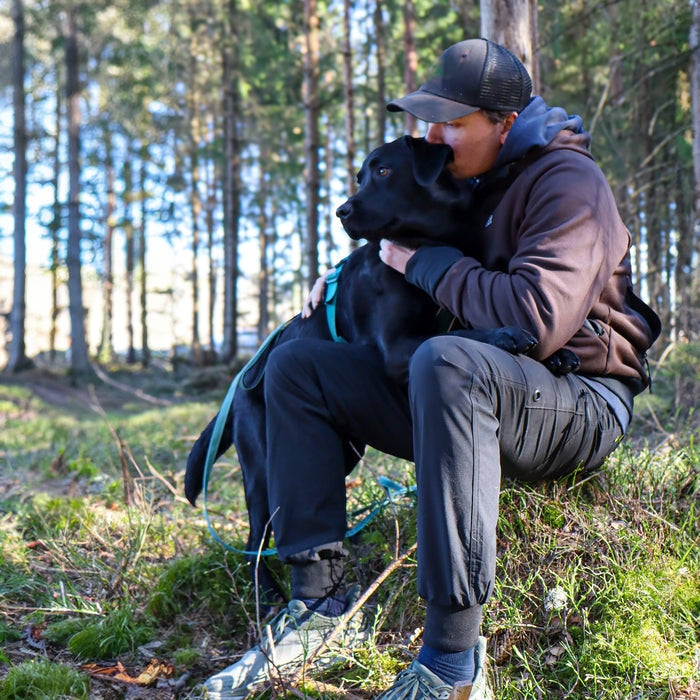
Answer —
507 124
429 159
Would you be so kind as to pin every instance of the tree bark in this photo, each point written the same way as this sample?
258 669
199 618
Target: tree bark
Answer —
55 227
264 279
381 71
410 61
106 353
513 24
349 102
231 194
80 362
312 111
193 132
210 207
695 93
143 297
195 209
18 359
129 198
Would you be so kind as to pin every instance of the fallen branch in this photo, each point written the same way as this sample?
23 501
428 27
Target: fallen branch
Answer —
128 389
345 618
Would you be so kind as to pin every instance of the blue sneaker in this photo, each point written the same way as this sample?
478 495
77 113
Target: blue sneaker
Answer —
419 683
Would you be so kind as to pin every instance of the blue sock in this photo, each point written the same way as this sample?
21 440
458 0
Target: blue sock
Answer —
329 606
450 667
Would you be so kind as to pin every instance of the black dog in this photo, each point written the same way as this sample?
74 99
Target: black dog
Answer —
406 196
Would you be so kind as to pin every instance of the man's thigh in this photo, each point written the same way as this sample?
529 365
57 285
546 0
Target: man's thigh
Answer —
545 425
550 425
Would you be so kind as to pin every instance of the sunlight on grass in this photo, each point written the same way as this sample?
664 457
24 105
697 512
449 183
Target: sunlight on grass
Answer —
97 577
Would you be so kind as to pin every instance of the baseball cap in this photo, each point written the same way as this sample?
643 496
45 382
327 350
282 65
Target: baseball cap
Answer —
473 74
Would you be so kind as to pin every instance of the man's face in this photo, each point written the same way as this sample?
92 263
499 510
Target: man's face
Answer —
475 141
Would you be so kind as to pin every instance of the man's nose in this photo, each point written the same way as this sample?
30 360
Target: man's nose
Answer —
434 133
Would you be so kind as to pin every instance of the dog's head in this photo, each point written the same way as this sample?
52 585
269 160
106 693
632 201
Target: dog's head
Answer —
406 195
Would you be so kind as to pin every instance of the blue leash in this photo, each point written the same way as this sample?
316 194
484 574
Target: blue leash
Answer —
216 440
391 488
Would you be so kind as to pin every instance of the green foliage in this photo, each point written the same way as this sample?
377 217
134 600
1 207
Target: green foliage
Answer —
198 581
120 631
7 634
646 625
41 680
61 631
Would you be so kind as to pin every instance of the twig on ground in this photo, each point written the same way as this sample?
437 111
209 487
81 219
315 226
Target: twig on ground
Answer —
344 619
128 389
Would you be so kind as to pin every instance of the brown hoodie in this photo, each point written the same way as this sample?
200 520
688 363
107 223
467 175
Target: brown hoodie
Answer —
554 261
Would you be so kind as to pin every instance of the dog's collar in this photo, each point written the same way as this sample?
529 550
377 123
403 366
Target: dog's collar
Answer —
331 293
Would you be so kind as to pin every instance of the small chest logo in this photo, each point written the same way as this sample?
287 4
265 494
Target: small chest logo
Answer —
489 221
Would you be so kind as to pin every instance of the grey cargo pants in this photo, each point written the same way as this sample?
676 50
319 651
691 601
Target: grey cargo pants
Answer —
470 414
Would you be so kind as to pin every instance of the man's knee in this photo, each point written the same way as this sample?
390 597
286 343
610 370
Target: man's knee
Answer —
441 358
286 361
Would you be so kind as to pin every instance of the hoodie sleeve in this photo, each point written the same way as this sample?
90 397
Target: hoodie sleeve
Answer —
428 265
562 239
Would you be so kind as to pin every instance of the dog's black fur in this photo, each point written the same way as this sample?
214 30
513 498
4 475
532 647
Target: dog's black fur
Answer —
406 196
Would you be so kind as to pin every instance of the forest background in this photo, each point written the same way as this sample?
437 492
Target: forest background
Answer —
177 164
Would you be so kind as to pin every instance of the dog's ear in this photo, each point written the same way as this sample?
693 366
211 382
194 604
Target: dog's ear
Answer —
429 159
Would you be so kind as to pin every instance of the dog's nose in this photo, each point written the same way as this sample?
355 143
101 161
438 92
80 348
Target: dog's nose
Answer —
343 211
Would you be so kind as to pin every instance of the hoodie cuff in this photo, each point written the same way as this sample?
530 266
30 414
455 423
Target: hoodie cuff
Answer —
428 265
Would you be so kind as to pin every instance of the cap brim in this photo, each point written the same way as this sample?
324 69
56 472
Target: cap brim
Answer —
430 107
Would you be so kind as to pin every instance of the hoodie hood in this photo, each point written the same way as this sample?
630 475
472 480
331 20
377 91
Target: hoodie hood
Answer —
536 127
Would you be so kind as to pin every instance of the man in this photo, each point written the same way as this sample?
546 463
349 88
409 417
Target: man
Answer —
554 262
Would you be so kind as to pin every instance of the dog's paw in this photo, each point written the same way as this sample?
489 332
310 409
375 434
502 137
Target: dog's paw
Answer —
514 340
562 362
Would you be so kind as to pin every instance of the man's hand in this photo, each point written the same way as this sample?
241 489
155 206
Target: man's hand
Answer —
315 295
394 255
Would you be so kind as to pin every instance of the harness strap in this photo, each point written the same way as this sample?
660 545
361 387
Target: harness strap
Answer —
330 299
216 440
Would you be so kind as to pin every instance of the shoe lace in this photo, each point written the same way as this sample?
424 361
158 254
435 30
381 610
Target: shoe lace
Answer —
280 623
410 685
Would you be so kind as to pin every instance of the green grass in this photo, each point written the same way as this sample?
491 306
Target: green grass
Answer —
43 680
97 580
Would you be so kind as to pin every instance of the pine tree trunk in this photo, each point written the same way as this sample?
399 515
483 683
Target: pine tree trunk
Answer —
381 71
80 362
211 206
106 352
195 208
312 111
18 359
330 205
193 132
513 24
410 62
143 297
231 194
349 102
128 177
695 92
264 279
55 227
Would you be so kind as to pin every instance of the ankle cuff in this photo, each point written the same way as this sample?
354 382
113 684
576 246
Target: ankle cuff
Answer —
318 579
450 628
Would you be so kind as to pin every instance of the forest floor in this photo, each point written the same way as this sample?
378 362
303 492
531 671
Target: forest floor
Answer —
111 586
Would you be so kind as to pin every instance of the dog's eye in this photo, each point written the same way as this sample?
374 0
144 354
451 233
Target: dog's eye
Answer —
382 172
